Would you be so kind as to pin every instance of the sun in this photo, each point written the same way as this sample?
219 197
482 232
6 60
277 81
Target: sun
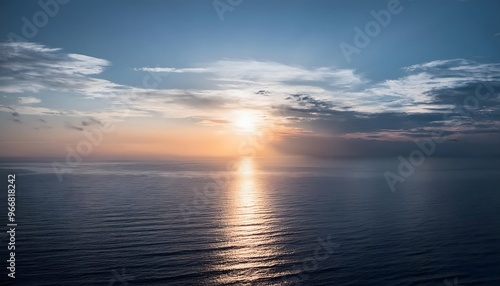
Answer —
246 121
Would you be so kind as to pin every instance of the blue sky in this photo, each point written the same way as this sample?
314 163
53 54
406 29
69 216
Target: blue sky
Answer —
258 57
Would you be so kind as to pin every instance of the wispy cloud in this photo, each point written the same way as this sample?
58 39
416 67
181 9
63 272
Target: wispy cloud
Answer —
84 124
29 100
116 114
30 67
172 70
73 127
91 122
269 72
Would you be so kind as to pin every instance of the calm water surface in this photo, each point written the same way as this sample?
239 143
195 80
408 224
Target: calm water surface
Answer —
269 223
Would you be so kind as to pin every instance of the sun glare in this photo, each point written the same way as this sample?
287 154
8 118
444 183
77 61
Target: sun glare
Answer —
246 121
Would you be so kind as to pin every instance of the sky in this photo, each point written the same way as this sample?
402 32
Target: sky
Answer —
244 77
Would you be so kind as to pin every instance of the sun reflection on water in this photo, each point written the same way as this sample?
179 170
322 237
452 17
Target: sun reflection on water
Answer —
246 194
252 234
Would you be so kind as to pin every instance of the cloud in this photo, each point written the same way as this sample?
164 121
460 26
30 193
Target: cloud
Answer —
33 110
117 114
420 91
16 116
286 78
30 67
84 123
237 83
173 70
268 72
263 92
91 122
72 126
29 100
213 122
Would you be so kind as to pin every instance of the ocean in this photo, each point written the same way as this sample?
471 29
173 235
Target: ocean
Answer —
250 221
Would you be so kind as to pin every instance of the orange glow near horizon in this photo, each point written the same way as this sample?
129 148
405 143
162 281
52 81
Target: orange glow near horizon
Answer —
152 138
